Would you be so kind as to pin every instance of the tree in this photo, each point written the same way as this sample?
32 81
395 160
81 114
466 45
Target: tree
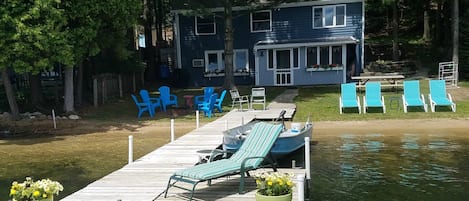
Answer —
455 28
31 39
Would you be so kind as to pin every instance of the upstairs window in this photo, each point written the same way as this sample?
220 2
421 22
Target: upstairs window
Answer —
261 21
205 25
328 16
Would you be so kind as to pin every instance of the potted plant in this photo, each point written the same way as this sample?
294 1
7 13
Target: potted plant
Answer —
30 190
274 186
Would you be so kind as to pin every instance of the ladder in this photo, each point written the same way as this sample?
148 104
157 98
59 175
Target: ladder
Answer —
448 71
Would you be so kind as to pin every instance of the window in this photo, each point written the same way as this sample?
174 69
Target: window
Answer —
215 62
324 56
205 25
329 16
261 21
283 58
241 63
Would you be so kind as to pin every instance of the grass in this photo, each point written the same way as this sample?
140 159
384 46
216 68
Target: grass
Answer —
80 157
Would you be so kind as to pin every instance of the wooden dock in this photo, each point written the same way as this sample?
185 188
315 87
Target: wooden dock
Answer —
146 178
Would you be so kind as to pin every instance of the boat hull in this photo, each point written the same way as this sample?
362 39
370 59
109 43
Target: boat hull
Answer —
288 141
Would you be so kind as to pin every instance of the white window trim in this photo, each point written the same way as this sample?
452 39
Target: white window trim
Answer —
220 61
318 53
270 22
274 59
334 20
202 34
219 58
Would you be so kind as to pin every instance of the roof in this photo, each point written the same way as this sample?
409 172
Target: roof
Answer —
268 44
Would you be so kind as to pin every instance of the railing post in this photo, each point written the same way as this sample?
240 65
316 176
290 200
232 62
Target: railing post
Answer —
172 130
197 119
300 184
307 158
131 149
53 119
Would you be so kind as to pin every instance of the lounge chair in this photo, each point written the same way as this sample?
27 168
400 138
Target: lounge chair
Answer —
208 91
167 98
219 101
142 107
258 97
348 97
250 155
152 102
438 95
238 99
373 96
412 96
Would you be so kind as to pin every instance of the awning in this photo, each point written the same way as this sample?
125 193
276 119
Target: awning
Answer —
273 44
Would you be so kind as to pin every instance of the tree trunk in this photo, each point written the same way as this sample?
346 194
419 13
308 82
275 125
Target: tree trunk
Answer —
228 14
395 31
426 24
437 32
36 94
79 91
68 90
15 113
455 27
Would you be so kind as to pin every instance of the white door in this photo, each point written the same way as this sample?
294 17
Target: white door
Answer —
283 67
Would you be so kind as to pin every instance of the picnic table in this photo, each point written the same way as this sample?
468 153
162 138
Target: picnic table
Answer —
386 80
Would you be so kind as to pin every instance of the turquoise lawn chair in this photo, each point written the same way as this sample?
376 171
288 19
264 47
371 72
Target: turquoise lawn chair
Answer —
250 156
142 107
219 101
412 96
438 95
167 99
152 102
208 91
348 97
207 107
373 97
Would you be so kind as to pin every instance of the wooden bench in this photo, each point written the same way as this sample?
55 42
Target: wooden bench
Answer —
386 80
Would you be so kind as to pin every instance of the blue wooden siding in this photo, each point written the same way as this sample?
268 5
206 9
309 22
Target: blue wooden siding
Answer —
287 24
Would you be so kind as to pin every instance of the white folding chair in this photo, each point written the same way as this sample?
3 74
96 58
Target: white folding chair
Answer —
237 99
258 97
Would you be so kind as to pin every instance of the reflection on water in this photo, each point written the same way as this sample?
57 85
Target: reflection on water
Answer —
378 167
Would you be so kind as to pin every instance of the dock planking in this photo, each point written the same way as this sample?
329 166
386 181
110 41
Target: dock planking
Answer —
146 178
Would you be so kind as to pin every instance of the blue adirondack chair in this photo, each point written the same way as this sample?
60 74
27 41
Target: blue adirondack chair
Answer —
142 107
348 97
373 96
208 91
438 95
219 101
207 107
412 96
167 98
152 102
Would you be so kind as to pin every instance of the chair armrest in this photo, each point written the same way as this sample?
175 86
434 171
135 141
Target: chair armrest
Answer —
243 164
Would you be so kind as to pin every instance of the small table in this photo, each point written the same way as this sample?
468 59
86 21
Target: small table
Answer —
189 100
395 100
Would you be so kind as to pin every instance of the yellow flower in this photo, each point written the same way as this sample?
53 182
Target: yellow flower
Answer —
269 183
289 183
13 191
44 196
280 182
36 193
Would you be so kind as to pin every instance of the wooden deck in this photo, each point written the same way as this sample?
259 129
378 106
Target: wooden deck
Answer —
146 178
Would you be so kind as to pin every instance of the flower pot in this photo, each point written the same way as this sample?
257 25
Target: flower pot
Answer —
287 197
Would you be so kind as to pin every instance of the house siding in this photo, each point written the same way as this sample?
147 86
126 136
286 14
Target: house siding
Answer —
291 23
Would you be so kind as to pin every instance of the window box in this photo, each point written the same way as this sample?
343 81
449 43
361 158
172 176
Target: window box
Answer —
329 67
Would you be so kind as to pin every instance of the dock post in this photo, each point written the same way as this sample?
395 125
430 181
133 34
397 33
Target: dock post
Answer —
131 147
172 130
307 159
197 119
53 119
300 184
226 124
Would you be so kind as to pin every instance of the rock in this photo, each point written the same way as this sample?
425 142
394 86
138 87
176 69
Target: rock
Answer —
74 117
36 113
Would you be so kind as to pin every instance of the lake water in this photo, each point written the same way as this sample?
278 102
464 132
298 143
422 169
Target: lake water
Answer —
420 167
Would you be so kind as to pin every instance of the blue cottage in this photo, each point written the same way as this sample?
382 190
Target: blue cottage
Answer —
301 43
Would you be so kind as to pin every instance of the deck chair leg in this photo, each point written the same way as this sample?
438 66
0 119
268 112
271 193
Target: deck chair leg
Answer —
167 187
241 184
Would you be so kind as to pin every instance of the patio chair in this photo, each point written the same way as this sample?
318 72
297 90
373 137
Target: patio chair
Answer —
142 107
438 95
207 107
238 99
250 155
412 96
208 91
373 96
152 102
348 97
167 98
258 97
219 101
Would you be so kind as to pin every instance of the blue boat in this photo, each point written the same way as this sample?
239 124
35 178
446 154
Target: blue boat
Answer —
289 140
